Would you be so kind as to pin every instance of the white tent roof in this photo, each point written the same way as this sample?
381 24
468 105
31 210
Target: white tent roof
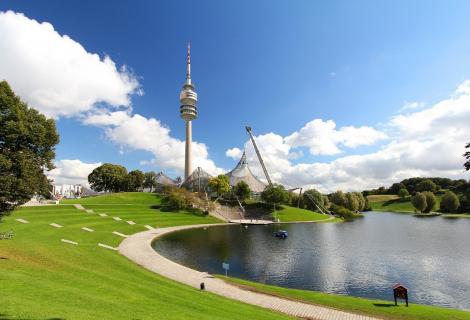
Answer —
243 173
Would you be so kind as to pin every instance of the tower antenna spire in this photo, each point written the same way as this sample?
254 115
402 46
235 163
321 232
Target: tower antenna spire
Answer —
188 65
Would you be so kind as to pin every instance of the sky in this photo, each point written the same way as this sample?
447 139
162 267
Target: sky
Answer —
340 94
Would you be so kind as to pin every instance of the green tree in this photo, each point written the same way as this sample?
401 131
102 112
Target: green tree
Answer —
150 180
352 202
219 184
450 202
419 201
108 177
326 201
27 149
467 156
396 187
242 191
431 201
426 185
312 198
361 201
135 180
403 193
339 198
275 194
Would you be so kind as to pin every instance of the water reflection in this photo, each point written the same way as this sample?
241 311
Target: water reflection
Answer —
363 258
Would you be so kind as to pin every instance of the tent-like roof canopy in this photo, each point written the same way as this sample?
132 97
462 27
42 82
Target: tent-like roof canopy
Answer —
243 173
197 181
163 179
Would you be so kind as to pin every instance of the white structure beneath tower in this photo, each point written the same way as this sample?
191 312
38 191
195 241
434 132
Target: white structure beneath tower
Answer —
188 111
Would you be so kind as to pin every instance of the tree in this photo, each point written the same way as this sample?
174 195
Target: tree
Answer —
150 180
431 201
326 201
275 194
426 185
135 180
108 177
339 198
419 201
450 202
467 156
313 197
352 202
242 191
361 201
396 187
27 149
219 184
403 193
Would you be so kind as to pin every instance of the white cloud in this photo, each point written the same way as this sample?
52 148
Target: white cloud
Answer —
149 134
428 142
322 138
72 172
234 153
54 73
412 106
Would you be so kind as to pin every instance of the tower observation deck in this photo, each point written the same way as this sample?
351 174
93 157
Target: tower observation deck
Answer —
188 111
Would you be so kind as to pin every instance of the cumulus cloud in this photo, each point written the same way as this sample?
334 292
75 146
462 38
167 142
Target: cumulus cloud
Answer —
412 106
54 73
322 138
234 153
149 134
72 172
427 142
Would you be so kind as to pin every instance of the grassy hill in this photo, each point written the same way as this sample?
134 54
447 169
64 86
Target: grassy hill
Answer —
288 214
44 278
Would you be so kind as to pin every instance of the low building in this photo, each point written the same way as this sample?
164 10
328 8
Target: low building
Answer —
243 173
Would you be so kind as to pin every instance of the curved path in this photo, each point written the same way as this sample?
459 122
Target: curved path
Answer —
138 249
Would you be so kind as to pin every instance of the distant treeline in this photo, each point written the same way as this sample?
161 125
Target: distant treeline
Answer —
436 185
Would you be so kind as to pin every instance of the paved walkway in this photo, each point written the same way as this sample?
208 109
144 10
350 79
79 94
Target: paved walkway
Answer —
138 249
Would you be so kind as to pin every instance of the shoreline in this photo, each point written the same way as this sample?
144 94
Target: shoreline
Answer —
138 248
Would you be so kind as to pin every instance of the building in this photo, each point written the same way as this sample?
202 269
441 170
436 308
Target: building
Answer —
67 191
188 111
243 173
197 181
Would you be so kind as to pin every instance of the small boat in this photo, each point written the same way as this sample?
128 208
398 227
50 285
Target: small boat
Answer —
281 234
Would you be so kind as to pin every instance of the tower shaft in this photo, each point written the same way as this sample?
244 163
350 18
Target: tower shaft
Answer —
188 150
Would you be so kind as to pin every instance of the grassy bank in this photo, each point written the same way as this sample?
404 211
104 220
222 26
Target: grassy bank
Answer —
378 308
290 214
44 278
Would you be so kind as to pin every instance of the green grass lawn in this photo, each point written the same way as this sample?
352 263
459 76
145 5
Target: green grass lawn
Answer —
44 278
378 308
288 214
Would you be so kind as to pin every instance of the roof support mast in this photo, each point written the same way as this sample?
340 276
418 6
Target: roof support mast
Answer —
248 129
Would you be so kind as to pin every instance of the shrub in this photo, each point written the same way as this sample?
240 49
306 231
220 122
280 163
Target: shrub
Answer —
342 212
174 201
403 193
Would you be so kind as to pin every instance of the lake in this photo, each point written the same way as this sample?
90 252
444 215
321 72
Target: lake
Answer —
363 258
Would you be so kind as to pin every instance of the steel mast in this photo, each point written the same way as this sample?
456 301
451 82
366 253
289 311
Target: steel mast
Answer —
248 129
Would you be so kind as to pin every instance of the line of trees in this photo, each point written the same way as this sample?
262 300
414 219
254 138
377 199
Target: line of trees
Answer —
114 178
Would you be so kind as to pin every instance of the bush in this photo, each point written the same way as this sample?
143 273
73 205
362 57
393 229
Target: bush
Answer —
403 193
449 202
174 201
342 212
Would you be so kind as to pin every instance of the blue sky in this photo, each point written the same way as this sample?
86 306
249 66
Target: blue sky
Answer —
275 65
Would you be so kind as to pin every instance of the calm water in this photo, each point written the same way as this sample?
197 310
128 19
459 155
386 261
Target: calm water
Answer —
364 258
